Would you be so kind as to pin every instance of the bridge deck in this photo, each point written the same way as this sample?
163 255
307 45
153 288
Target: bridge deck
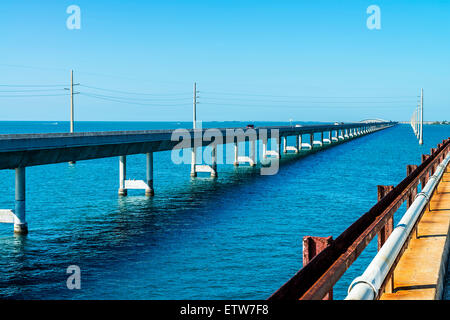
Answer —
24 150
420 272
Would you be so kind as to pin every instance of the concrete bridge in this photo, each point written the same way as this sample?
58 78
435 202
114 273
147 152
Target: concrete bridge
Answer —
18 151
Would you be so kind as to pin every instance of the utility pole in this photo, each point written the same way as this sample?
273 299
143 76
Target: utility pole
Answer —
71 101
72 127
195 106
417 120
194 126
421 117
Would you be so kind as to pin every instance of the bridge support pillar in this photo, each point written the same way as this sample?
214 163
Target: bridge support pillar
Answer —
266 152
17 216
334 138
122 175
236 154
311 140
248 157
149 191
211 169
285 145
280 147
264 148
214 161
146 184
193 162
291 148
253 152
20 223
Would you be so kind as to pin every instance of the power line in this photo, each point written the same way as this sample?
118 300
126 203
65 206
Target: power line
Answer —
296 106
158 99
304 96
300 101
134 93
129 102
33 90
31 85
34 95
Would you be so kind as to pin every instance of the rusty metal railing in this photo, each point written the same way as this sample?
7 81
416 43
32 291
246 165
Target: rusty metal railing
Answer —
320 273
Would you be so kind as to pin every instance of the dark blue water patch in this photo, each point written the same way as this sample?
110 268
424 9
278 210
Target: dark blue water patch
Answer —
235 237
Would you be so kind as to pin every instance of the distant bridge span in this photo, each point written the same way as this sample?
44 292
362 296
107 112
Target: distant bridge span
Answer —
373 121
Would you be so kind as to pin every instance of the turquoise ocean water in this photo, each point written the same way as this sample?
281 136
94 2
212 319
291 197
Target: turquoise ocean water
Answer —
235 237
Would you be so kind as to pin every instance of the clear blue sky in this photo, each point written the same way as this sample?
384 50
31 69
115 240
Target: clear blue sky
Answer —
252 60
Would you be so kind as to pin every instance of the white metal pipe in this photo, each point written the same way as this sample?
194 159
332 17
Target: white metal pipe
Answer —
367 286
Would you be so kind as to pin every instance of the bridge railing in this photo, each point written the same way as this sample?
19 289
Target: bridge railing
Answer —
329 259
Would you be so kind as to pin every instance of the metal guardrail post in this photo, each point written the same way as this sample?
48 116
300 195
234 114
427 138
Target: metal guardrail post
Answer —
412 195
387 229
312 246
